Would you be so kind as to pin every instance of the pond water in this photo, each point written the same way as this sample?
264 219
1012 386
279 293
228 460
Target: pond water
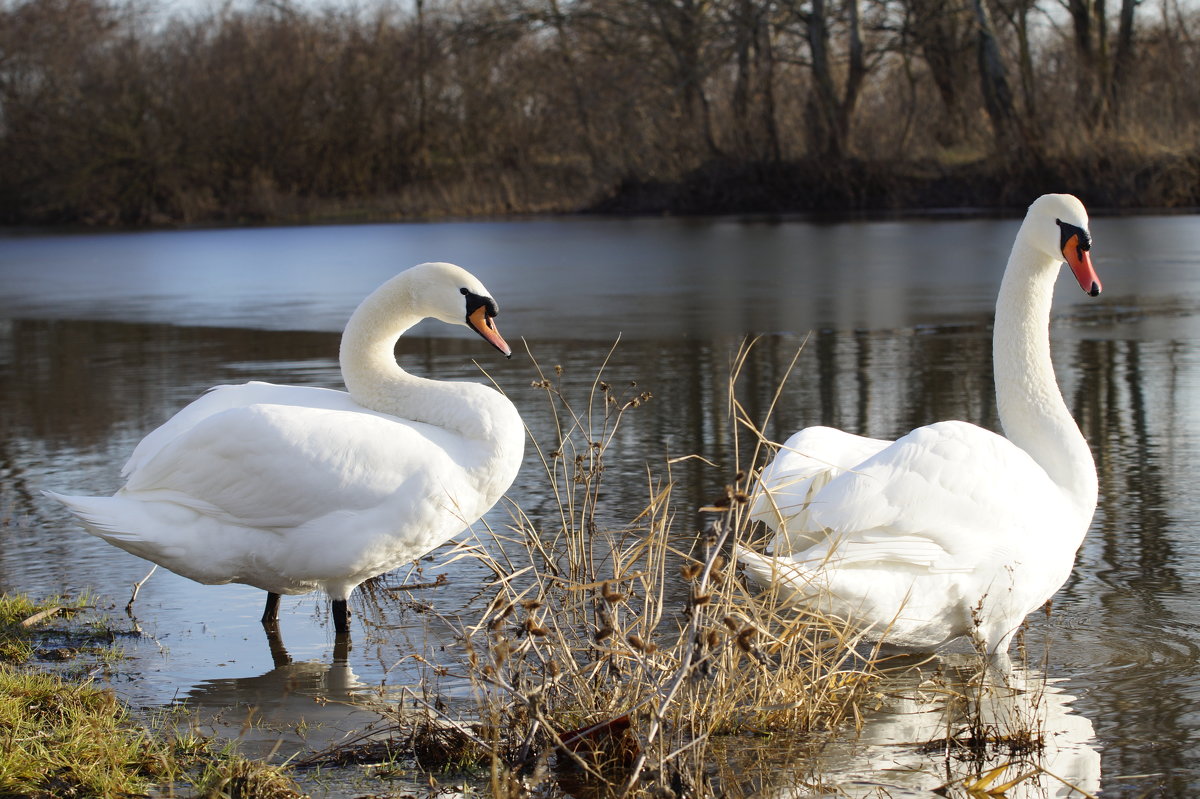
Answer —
103 337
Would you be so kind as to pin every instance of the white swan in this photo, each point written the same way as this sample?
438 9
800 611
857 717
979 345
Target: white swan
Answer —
951 530
292 489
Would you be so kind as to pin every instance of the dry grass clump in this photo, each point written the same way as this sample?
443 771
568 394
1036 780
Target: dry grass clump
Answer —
611 652
232 776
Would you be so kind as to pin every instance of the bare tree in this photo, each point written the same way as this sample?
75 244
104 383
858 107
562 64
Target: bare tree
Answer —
993 79
830 109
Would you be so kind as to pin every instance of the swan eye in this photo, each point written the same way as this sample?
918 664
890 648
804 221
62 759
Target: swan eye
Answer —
1067 230
477 301
463 291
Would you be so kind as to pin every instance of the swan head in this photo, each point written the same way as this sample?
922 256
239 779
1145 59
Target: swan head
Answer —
1057 225
453 295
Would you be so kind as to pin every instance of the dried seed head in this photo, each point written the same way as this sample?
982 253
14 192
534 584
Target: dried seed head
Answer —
718 561
603 633
731 623
610 596
689 571
604 386
745 638
701 599
558 370
500 652
712 638
532 604
636 641
553 668
741 497
533 627
740 476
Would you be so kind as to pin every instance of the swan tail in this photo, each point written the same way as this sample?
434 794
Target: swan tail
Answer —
108 518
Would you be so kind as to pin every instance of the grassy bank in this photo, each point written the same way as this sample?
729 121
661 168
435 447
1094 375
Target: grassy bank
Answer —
63 736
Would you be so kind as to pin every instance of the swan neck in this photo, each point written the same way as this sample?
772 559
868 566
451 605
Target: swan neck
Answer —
1032 410
376 381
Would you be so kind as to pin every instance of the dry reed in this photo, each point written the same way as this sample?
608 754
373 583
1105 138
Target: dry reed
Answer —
611 654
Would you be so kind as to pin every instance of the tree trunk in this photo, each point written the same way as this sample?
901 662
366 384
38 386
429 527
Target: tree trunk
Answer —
1123 60
993 77
578 94
829 117
941 29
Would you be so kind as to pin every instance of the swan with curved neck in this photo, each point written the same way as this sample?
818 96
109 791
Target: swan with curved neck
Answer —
951 530
293 489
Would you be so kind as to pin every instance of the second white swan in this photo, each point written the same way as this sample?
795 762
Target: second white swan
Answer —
293 489
951 530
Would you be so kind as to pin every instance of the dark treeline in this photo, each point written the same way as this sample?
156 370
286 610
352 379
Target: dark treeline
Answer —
113 113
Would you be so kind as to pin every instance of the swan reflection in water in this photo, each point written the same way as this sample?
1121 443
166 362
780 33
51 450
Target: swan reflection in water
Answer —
943 723
294 707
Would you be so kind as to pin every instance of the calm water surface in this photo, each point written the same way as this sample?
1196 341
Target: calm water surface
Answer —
102 337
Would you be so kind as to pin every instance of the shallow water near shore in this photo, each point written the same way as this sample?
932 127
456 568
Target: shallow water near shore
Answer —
102 337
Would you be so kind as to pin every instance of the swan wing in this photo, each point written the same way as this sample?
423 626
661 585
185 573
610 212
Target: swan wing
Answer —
805 464
949 497
223 398
282 466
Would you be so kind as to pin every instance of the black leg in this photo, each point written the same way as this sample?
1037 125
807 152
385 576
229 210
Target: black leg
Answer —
341 617
271 611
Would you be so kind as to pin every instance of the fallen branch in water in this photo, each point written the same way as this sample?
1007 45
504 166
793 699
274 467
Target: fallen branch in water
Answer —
440 580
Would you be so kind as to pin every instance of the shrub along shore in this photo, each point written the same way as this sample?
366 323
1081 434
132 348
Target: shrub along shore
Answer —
130 114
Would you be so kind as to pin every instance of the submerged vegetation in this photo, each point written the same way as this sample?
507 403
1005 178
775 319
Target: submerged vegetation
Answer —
125 112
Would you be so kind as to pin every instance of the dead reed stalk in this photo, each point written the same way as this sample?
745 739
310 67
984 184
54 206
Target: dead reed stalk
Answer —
615 651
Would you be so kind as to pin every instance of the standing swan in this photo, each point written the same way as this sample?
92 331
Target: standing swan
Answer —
951 530
291 488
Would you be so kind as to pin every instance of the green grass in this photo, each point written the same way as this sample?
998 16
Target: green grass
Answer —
66 738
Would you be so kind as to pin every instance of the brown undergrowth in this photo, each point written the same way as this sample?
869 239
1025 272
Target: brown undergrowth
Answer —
613 652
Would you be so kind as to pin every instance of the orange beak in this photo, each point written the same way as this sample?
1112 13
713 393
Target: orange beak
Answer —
1080 262
485 326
